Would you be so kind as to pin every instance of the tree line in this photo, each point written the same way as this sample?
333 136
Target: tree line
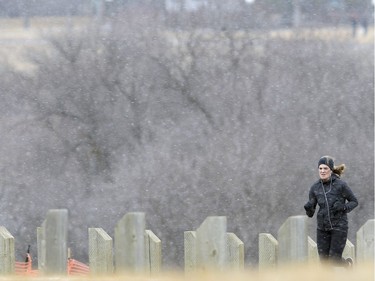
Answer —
235 14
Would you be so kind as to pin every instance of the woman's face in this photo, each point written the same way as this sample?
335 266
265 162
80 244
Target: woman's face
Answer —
324 172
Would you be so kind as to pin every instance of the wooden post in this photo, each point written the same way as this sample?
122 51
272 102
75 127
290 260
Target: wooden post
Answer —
268 250
100 252
292 238
56 236
6 251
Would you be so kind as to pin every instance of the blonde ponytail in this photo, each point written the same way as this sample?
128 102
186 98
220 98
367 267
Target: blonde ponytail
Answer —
339 170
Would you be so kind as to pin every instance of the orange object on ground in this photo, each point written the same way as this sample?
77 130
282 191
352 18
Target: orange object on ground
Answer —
77 268
25 268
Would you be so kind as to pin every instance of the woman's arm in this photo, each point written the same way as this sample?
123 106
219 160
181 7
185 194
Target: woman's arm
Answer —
350 197
311 204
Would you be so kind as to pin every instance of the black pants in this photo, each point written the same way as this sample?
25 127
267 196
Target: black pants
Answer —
331 244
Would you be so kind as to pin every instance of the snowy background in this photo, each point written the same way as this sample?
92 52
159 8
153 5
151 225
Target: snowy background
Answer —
180 113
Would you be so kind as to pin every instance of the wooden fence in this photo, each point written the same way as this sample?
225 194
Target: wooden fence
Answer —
137 249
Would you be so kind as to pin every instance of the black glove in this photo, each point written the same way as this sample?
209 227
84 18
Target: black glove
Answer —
309 208
338 207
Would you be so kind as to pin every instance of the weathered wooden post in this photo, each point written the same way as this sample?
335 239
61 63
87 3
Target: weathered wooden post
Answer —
129 243
153 251
211 243
292 238
268 250
6 251
41 241
136 249
312 250
235 252
349 250
211 247
190 253
365 242
100 252
52 242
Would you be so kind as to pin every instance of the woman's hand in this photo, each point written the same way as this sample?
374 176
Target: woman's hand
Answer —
338 207
309 208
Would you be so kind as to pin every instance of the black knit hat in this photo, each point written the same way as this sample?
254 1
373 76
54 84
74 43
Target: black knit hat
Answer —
327 160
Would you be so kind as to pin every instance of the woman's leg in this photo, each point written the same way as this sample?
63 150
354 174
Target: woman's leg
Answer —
323 241
338 242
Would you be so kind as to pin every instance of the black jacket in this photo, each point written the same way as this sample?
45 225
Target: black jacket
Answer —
340 200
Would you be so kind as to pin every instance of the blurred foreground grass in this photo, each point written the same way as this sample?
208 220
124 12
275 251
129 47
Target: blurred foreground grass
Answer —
364 272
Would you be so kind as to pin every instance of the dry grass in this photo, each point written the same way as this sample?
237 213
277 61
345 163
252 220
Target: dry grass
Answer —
364 272
335 34
15 39
14 27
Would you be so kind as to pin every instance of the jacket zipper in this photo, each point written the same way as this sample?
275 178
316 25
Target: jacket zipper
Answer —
325 196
